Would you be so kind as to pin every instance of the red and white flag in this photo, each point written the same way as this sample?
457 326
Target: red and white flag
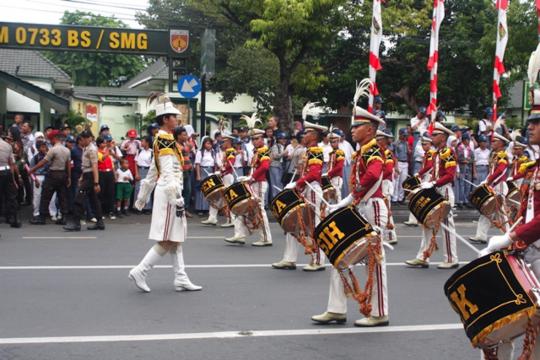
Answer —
498 65
433 61
374 44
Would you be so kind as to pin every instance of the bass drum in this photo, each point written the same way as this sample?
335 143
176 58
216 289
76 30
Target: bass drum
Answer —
212 188
429 207
484 200
495 296
411 183
344 236
239 198
514 195
287 206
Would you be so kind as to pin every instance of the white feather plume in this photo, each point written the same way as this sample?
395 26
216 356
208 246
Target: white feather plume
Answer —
534 66
312 109
251 121
362 89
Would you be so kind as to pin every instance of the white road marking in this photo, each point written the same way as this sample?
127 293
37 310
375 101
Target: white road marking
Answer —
227 334
208 266
59 237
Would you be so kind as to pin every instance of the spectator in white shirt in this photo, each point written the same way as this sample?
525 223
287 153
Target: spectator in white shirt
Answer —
481 160
144 159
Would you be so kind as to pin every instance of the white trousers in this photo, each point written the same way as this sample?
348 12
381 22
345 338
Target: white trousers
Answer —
53 210
388 188
337 182
484 223
240 229
399 193
228 180
291 244
449 237
376 214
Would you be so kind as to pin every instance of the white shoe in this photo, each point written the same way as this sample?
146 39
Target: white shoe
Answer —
227 225
410 223
139 279
372 321
262 243
236 240
209 222
139 272
314 267
94 220
54 218
181 279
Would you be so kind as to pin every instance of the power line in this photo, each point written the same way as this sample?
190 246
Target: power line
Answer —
59 12
77 7
105 4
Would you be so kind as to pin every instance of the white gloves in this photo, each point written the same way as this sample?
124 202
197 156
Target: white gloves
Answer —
139 204
243 178
179 202
291 185
497 243
510 179
343 203
325 174
217 173
427 185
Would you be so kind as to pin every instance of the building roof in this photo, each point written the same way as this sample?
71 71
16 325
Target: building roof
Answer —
157 70
93 91
31 64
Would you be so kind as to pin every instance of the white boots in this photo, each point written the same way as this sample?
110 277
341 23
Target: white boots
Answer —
139 272
181 280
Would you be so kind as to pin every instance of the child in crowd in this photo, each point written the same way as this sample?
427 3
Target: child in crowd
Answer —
124 177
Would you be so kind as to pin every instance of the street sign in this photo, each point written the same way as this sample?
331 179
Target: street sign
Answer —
189 86
171 43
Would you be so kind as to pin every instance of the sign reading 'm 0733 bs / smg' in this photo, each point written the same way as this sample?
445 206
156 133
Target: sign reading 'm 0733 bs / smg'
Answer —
174 42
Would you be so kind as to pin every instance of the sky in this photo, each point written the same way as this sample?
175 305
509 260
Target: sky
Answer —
50 11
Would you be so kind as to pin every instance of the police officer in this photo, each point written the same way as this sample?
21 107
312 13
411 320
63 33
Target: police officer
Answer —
8 187
89 186
57 180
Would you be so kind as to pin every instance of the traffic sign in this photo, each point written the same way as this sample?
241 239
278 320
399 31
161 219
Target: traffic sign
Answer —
189 86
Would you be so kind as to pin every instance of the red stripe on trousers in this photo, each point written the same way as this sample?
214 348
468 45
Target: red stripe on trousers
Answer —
166 229
447 237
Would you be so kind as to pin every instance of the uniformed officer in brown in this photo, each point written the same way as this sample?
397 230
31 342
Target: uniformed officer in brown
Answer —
89 186
57 180
8 187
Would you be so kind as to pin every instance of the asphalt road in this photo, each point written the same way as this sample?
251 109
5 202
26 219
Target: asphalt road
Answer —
67 296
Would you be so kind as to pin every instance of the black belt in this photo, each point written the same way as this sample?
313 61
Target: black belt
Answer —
144 167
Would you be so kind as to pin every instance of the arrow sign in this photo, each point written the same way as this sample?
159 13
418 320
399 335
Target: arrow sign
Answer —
189 86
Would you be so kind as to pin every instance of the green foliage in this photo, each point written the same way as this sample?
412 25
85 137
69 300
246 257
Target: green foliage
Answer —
75 120
95 69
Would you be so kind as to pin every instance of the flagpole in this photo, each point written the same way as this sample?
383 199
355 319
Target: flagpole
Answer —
433 61
498 64
374 45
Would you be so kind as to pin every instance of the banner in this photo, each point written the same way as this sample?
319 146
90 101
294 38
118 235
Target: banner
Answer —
433 61
498 64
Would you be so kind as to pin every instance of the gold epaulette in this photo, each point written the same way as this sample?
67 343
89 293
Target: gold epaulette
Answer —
230 153
523 168
263 153
164 144
315 156
502 157
371 151
388 156
447 156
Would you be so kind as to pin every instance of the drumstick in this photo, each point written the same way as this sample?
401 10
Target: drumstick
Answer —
293 175
278 189
320 195
460 238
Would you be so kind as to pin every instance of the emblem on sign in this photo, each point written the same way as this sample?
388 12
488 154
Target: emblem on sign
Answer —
179 40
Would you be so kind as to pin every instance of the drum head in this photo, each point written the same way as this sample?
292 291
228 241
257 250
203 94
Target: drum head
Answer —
429 207
291 223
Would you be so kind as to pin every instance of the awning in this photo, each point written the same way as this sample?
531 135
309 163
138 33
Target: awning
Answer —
34 92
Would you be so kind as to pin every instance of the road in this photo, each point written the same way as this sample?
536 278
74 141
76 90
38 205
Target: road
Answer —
67 296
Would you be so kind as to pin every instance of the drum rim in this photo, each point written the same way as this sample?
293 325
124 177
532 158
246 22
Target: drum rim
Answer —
302 205
368 237
436 207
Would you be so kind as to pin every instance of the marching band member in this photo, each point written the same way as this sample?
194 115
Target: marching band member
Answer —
498 166
526 236
226 163
336 164
168 227
383 140
260 165
520 159
443 172
312 172
367 196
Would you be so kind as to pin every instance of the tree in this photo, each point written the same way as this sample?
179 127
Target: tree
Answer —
95 69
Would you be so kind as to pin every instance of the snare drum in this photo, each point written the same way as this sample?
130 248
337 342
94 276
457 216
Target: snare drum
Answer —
344 237
212 188
411 183
495 296
285 206
239 198
329 191
484 200
513 194
429 207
